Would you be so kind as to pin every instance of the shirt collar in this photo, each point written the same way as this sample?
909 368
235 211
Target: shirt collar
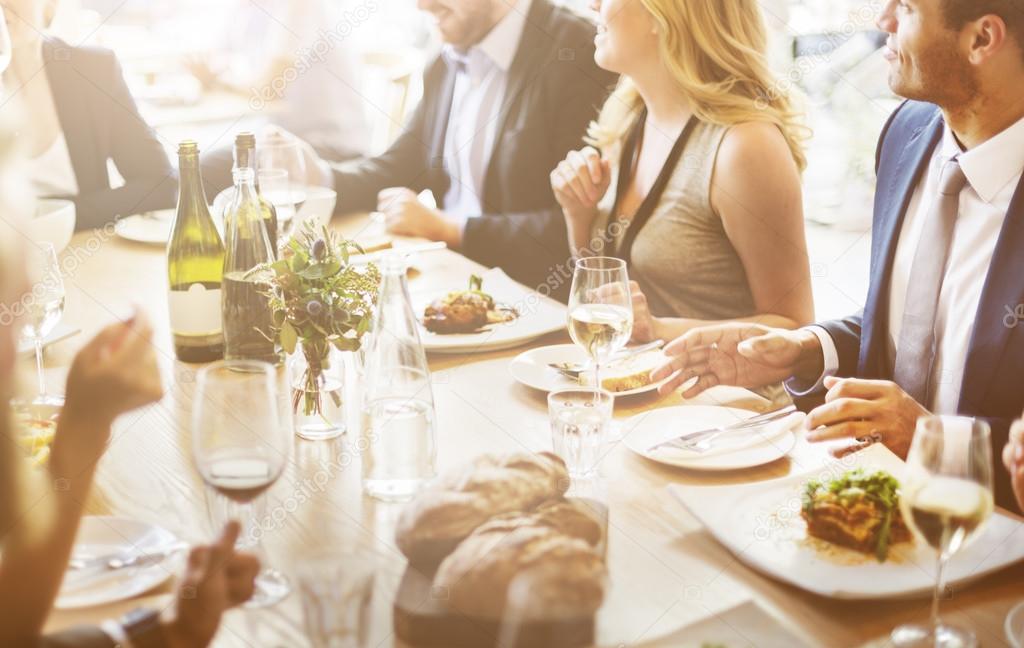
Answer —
991 166
500 45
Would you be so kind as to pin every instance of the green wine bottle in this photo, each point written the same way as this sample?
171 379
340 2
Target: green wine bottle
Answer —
245 158
195 266
245 307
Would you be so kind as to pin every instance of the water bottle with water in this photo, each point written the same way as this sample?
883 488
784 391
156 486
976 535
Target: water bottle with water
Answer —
398 423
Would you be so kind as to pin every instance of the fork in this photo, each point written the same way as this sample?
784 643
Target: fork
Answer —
574 369
700 441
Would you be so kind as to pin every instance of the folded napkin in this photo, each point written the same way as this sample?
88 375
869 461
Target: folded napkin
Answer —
740 439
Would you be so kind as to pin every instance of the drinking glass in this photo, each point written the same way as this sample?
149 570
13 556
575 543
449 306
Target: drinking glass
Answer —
276 189
580 419
337 597
600 309
240 449
284 153
945 499
44 306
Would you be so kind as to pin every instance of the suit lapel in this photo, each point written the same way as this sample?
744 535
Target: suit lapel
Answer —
903 180
1000 298
74 115
525 68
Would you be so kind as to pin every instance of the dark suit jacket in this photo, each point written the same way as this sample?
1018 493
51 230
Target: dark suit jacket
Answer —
101 122
993 383
554 91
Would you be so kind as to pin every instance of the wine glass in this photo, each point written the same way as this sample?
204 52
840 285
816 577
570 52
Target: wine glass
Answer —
600 309
945 499
275 188
240 450
282 152
44 306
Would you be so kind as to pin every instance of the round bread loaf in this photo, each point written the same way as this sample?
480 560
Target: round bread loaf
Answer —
433 524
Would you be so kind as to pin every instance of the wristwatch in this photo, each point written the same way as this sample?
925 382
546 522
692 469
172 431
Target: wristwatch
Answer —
144 630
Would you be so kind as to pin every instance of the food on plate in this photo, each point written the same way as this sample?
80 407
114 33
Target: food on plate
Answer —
466 311
36 425
858 510
453 507
632 372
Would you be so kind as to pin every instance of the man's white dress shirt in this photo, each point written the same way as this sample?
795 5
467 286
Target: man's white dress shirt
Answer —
480 83
994 170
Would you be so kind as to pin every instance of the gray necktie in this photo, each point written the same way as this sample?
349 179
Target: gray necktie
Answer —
915 351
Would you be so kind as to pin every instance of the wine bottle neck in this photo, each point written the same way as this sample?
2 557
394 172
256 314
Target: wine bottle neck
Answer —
190 184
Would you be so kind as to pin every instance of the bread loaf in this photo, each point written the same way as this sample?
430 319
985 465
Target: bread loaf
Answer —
558 576
446 513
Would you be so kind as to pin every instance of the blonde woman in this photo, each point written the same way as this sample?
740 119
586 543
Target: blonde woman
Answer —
693 173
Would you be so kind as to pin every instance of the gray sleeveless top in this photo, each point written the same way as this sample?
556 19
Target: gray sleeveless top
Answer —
681 256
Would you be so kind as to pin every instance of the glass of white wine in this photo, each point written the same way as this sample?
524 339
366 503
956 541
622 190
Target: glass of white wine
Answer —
44 306
600 309
946 498
240 449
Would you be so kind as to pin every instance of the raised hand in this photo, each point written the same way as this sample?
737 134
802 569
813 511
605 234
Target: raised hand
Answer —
744 355
580 182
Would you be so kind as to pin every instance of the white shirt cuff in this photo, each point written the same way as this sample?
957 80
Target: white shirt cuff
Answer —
830 361
116 632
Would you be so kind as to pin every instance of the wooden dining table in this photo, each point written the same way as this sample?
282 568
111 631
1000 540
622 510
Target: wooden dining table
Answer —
666 570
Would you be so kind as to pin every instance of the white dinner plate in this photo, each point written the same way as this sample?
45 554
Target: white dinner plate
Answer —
732 451
153 228
100 536
531 368
760 524
538 316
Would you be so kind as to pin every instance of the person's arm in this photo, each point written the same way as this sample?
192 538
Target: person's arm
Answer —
115 373
139 156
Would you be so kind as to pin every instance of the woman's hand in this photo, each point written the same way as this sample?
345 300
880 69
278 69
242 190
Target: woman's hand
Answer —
113 374
216 579
1013 459
644 324
580 182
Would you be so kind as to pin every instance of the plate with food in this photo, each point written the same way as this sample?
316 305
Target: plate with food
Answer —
838 532
555 367
646 433
489 312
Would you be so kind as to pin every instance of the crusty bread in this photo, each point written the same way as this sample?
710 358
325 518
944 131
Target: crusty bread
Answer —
627 375
563 576
447 512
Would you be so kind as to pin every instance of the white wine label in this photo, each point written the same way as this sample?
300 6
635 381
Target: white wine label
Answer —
195 311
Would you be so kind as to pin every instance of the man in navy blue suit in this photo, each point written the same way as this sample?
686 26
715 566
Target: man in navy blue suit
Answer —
940 331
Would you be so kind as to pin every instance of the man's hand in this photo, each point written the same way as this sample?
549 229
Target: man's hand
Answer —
866 409
407 216
744 355
1013 459
216 579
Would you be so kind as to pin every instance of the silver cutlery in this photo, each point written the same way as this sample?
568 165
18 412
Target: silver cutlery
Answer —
123 559
574 369
409 250
701 440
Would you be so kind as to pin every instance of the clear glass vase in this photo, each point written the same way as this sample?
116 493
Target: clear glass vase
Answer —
316 375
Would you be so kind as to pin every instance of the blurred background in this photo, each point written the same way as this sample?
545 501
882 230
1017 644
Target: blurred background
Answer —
202 69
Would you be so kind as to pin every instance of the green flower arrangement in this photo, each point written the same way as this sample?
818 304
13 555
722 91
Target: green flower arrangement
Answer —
318 301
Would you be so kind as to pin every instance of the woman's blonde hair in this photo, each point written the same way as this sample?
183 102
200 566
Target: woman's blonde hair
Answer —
715 51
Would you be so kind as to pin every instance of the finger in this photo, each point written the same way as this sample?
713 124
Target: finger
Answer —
857 388
1017 432
593 159
225 544
199 559
241 573
692 340
690 360
1008 456
848 449
840 411
574 183
846 430
704 383
583 173
681 378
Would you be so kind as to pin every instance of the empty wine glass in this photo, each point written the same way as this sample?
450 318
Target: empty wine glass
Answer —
283 152
240 449
600 309
945 499
275 188
44 306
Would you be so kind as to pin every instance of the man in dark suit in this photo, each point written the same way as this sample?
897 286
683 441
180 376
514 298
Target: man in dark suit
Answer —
512 93
940 331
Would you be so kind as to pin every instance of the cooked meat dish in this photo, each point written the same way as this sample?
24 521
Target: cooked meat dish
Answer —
465 311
